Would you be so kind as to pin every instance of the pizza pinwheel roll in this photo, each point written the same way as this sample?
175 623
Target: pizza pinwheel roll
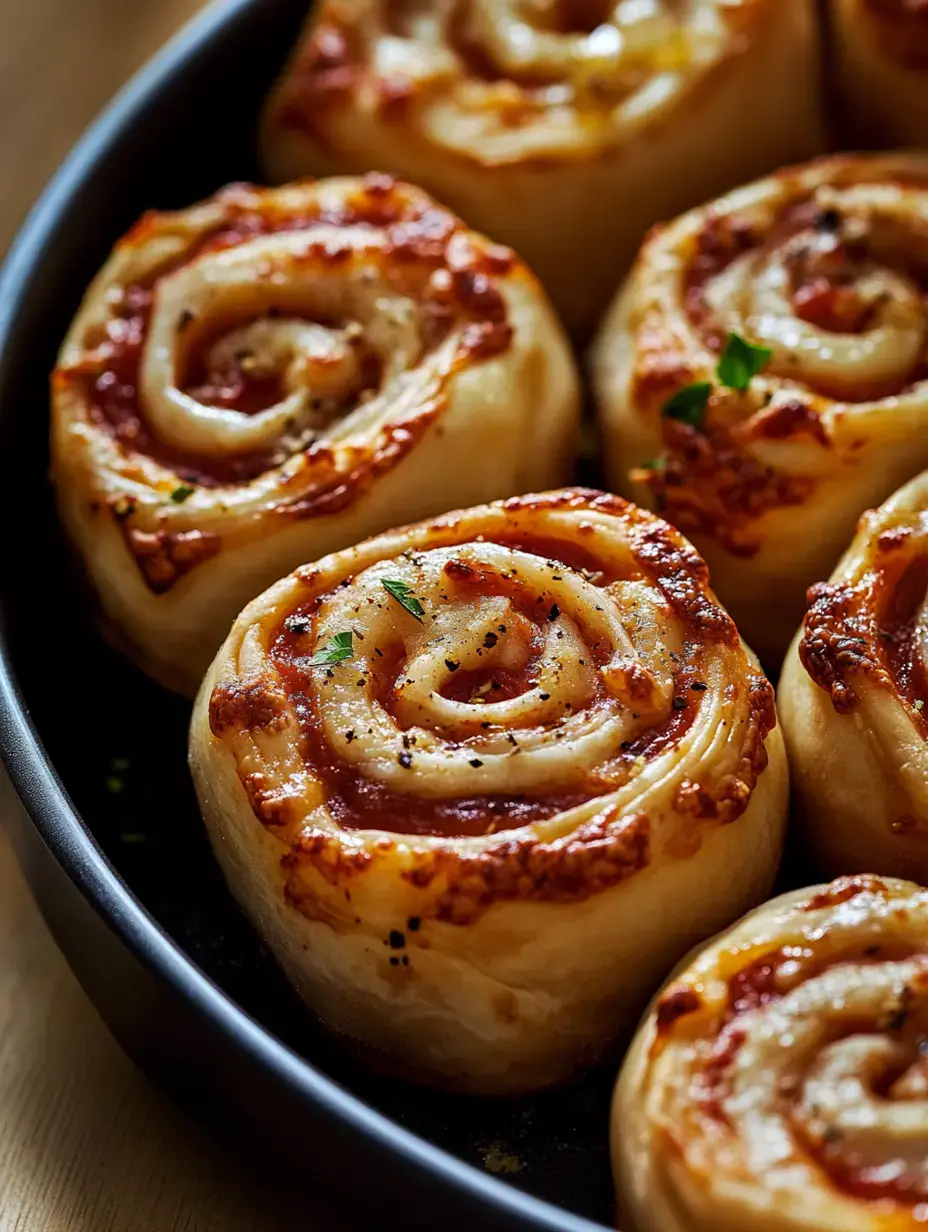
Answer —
272 375
880 52
853 696
464 778
763 376
779 1081
563 127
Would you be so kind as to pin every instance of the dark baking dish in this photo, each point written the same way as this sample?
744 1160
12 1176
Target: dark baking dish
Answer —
121 868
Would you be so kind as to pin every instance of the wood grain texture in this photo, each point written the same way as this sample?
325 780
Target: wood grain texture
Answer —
86 1143
60 61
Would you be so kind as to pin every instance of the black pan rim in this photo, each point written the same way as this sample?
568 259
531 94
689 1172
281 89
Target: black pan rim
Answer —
45 798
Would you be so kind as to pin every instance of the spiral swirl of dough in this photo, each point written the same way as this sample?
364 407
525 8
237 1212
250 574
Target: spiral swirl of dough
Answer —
533 117
779 1080
271 375
825 267
853 693
588 708
555 731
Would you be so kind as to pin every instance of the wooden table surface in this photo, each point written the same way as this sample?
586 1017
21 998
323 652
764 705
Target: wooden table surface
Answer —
86 1143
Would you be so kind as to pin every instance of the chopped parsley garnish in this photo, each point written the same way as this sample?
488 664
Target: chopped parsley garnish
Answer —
403 595
116 778
181 492
689 404
741 361
336 650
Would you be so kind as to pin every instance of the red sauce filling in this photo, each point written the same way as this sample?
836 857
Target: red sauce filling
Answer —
751 988
334 64
570 554
566 17
843 889
874 1182
112 395
359 803
872 1185
755 986
823 287
896 629
418 234
492 684
712 1086
231 386
830 306
497 684
113 403
478 60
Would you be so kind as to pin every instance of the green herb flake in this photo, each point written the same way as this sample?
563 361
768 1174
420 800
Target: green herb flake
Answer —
741 361
336 650
116 775
403 595
181 492
688 404
133 836
657 464
498 1160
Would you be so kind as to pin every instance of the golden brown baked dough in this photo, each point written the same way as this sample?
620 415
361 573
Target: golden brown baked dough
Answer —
272 375
563 127
880 52
826 266
476 843
779 1082
853 697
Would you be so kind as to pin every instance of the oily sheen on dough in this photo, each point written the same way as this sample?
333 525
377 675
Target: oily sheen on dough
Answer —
472 844
853 695
562 127
779 1081
825 266
274 374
